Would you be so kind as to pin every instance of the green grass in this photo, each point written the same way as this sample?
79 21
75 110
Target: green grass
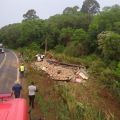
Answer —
68 101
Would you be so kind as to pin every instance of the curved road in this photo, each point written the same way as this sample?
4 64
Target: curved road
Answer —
8 71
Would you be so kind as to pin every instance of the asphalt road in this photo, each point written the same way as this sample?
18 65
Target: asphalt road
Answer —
8 71
1 57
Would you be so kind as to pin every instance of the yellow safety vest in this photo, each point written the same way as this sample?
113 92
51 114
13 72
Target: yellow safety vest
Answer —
22 68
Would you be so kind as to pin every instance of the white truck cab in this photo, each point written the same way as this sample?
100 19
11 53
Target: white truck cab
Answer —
1 48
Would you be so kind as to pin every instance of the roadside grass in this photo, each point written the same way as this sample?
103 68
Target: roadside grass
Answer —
71 101
66 101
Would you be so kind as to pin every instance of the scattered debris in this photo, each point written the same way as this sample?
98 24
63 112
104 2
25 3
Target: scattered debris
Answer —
62 72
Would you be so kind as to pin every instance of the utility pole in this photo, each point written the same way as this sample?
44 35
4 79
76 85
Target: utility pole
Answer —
45 45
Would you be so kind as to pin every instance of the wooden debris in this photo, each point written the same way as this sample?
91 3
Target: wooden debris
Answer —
57 71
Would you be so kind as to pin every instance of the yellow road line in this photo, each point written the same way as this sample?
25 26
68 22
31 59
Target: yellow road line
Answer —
3 61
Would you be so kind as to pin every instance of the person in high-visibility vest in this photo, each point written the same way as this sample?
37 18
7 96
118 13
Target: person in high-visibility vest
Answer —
22 70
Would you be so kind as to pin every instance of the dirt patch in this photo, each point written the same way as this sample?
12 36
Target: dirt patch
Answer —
62 72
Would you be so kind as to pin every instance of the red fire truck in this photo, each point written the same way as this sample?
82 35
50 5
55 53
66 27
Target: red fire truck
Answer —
13 109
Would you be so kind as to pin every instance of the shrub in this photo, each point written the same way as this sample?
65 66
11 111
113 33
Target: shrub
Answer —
59 48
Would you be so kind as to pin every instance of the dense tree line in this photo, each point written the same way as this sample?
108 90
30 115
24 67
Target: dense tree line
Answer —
76 29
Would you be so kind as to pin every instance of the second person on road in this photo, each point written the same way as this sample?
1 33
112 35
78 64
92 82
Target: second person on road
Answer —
32 90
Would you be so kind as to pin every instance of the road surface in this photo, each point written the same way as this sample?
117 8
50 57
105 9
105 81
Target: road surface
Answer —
8 71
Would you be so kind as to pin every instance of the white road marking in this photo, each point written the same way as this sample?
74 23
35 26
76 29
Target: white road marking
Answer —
2 63
17 66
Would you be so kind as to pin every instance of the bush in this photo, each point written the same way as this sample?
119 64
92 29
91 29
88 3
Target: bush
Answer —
112 81
59 48
97 67
28 54
74 49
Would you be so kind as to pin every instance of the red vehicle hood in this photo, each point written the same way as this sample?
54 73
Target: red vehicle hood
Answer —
14 109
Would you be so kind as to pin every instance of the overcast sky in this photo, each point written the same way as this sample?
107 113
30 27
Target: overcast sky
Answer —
11 11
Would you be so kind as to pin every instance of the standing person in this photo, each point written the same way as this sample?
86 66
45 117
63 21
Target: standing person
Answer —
32 89
17 89
22 70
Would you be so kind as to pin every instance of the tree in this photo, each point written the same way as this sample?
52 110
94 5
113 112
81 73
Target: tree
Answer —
30 14
32 31
66 35
10 35
76 8
107 20
109 44
79 20
90 7
79 35
116 27
71 10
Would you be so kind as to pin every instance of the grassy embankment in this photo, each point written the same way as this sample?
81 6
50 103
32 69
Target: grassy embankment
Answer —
71 101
